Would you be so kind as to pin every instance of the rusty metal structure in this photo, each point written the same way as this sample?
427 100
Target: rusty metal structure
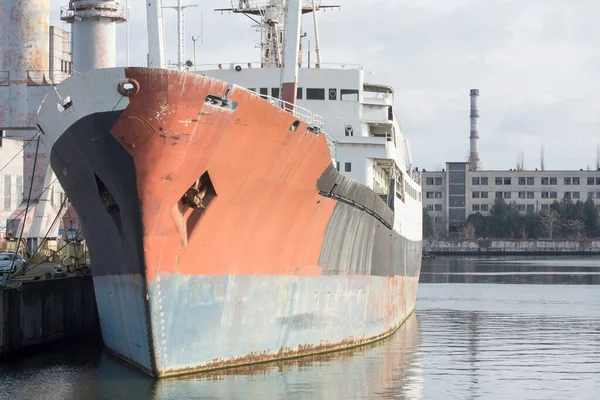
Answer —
285 257
94 32
25 78
220 230
474 136
270 16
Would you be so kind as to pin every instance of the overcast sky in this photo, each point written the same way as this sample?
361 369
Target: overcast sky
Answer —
535 62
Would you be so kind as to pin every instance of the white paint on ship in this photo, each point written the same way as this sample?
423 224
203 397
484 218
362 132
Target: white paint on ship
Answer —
91 92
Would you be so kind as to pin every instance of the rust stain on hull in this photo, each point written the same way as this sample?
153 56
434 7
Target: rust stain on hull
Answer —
265 357
220 228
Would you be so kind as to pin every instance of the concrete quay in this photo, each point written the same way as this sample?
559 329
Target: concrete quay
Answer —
39 312
465 247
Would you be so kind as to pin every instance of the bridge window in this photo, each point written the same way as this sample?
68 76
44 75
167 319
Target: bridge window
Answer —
299 93
315 94
348 95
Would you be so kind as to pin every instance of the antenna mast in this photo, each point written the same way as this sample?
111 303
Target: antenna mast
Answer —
269 15
317 46
180 33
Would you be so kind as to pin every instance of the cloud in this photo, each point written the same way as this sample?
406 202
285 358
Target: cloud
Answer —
535 63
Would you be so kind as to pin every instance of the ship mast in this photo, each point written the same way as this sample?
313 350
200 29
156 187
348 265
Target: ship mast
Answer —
156 47
269 16
180 33
291 47
316 24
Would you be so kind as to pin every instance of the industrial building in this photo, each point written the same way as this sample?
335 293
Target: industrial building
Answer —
34 58
11 183
461 189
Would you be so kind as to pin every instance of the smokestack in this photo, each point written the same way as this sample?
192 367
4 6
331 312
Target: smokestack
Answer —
474 155
94 32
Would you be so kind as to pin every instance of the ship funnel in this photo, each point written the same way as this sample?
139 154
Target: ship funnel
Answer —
94 32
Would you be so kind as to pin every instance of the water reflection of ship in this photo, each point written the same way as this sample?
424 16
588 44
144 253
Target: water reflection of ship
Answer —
387 369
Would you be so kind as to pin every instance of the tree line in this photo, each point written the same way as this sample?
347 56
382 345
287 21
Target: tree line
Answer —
563 220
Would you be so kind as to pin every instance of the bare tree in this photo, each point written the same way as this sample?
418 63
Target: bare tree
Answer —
542 164
469 232
521 161
439 227
523 233
574 228
549 220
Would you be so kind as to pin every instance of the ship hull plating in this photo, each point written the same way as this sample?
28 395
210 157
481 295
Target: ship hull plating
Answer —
285 257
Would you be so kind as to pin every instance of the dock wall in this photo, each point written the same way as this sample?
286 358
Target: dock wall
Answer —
511 247
41 312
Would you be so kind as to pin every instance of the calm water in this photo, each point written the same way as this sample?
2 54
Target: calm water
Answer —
484 328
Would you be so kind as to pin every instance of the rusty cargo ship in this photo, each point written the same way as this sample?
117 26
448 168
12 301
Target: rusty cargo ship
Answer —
224 226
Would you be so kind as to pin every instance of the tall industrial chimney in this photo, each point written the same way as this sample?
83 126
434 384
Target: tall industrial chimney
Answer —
94 32
474 155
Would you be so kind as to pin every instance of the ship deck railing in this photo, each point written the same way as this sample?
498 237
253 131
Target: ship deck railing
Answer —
258 65
315 121
108 10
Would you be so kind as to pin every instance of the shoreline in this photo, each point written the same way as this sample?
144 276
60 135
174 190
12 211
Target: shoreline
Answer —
498 247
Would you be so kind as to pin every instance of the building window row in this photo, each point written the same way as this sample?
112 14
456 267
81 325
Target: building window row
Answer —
526 195
529 180
571 181
433 181
531 195
590 180
477 180
434 207
501 181
526 207
549 195
521 207
526 180
433 195
549 181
